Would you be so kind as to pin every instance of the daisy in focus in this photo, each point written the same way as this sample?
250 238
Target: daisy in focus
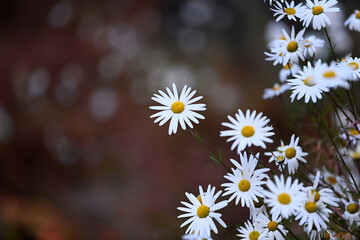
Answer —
284 198
315 12
251 231
305 84
273 228
276 90
351 67
201 211
289 10
293 153
247 130
246 182
291 48
180 109
313 213
353 22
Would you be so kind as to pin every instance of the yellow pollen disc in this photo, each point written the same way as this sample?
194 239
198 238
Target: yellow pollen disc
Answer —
292 46
353 65
284 198
317 195
276 87
280 158
310 207
287 66
329 74
244 185
290 11
354 132
332 180
199 198
290 153
177 107
317 10
248 131
307 45
356 155
309 81
282 38
203 211
254 235
272 225
352 208
326 236
357 15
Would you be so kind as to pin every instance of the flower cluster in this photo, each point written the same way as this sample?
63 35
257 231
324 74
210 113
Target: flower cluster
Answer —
325 203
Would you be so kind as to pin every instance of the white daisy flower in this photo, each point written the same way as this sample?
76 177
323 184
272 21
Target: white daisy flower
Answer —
312 43
352 213
245 182
276 90
293 153
251 232
278 157
292 48
330 179
180 109
351 67
284 198
306 85
288 70
325 195
272 227
351 134
201 211
316 12
247 130
276 57
313 213
332 76
353 22
288 10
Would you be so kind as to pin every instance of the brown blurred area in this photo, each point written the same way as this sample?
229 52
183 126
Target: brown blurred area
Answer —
80 157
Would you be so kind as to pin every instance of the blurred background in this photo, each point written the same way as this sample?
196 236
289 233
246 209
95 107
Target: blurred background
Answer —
80 157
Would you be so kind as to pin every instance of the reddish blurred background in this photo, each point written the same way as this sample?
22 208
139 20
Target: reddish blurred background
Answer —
80 158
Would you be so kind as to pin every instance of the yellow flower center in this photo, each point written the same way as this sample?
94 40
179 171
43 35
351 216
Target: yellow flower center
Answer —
317 10
292 46
353 65
248 131
177 107
326 236
310 207
308 44
357 15
329 74
272 225
354 132
203 211
309 81
352 208
288 66
276 87
280 158
332 180
290 11
317 195
199 198
244 185
290 153
284 198
254 235
282 38
356 155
